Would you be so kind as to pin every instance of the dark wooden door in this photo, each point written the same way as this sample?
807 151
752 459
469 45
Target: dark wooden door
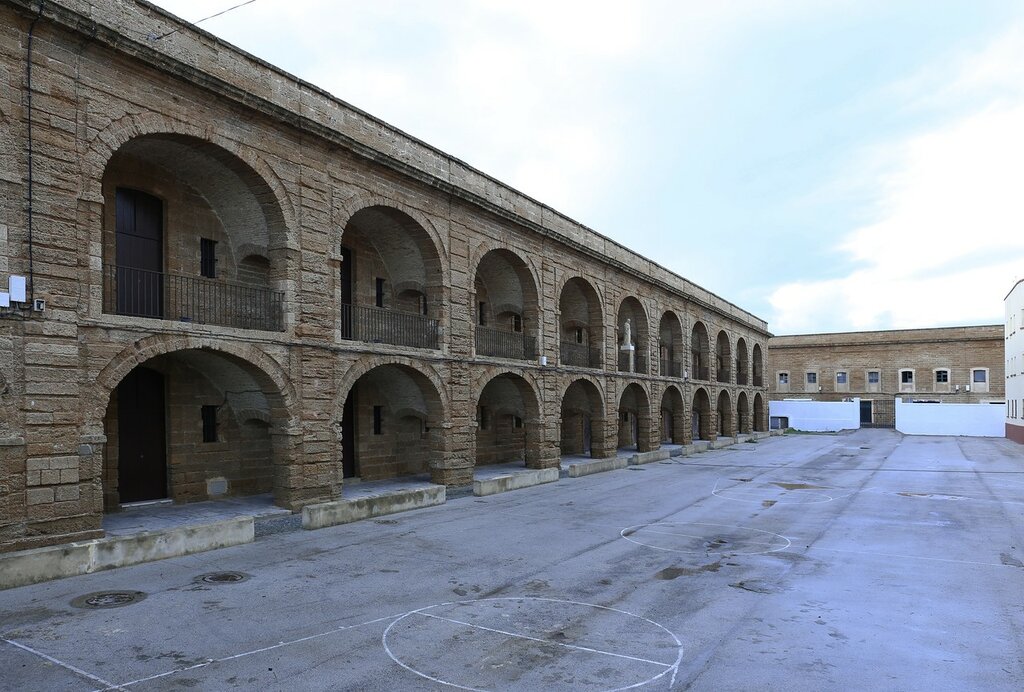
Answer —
345 277
140 253
865 412
348 436
141 450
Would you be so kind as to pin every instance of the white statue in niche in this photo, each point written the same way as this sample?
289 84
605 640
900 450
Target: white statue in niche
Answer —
627 334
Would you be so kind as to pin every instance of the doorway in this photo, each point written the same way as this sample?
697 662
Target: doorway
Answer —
142 450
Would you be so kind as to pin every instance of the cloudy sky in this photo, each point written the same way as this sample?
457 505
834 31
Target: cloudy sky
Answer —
828 165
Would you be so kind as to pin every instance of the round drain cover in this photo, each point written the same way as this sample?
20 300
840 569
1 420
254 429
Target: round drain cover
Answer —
222 577
108 599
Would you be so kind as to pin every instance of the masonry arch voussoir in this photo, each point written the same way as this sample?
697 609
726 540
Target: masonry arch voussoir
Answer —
344 209
487 375
372 362
490 245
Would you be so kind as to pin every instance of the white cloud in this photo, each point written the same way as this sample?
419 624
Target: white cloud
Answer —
948 241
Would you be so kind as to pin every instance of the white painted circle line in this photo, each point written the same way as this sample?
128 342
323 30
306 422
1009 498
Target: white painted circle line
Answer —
630 531
668 667
755 494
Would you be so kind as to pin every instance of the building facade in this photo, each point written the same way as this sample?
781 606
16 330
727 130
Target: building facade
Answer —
1013 306
950 364
238 284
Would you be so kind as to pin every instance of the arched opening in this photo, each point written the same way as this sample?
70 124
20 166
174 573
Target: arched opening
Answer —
191 234
700 352
742 362
632 336
508 422
723 357
634 419
390 286
670 346
758 366
391 425
725 417
583 420
581 326
700 416
194 425
743 414
505 307
673 417
760 419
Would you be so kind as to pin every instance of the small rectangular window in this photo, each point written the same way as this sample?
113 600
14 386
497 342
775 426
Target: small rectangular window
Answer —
380 292
812 378
423 304
378 420
980 376
942 376
841 377
209 416
208 258
579 335
483 417
783 378
481 317
873 376
907 376
517 323
517 422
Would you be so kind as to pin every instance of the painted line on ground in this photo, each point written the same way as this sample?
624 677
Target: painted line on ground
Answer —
78 671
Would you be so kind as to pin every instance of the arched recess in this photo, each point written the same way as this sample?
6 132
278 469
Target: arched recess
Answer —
392 424
700 352
635 425
726 422
760 415
390 280
632 336
673 416
743 425
742 362
701 420
192 233
723 357
581 325
505 307
757 366
508 423
671 356
198 424
583 420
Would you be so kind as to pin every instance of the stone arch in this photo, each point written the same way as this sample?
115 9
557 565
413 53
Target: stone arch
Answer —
509 424
760 415
743 426
635 429
742 362
700 352
723 357
701 420
757 366
673 416
583 419
631 309
581 323
369 362
505 305
724 412
671 347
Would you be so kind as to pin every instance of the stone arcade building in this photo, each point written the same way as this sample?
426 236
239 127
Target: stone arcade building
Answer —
251 287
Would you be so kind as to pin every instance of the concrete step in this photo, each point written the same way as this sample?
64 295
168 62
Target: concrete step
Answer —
345 511
589 466
648 457
514 480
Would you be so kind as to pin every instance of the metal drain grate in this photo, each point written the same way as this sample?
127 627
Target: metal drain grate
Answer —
108 599
222 577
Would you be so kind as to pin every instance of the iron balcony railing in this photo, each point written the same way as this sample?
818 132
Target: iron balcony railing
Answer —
145 293
741 378
579 355
758 381
723 374
505 344
701 374
671 368
377 325
639 363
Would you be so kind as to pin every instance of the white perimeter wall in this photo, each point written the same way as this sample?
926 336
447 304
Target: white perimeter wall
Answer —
818 416
970 420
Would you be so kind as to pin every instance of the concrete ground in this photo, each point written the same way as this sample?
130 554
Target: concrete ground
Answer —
807 562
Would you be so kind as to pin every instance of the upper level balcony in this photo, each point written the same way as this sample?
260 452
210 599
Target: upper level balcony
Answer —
160 295
381 326
502 343
580 355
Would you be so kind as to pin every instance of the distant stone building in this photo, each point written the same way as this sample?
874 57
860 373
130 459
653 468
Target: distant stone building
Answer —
949 364
1013 305
252 287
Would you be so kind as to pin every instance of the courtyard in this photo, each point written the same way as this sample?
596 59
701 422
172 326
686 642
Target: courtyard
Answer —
862 560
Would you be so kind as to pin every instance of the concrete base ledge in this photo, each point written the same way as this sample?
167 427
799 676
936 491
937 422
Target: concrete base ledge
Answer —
585 468
346 511
699 446
84 557
723 442
648 457
514 481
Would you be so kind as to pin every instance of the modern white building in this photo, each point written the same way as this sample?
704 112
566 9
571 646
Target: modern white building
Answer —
1014 350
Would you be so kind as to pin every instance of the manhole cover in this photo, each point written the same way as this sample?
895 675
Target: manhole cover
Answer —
222 577
108 599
